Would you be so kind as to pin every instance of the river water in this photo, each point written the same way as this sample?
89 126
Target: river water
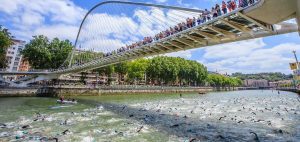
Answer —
222 116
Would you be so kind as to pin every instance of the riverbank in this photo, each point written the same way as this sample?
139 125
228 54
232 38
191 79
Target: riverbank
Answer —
103 90
116 90
18 92
290 90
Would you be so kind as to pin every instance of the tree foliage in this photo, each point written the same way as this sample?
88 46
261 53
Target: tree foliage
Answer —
137 69
163 70
159 70
174 70
5 42
45 54
121 69
267 76
217 80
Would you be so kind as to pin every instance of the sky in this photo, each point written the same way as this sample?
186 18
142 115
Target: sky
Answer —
118 25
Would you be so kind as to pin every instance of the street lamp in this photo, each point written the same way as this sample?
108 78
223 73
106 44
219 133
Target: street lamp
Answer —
294 51
297 69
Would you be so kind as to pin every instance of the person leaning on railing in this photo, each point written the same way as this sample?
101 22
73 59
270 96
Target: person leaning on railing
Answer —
218 10
224 7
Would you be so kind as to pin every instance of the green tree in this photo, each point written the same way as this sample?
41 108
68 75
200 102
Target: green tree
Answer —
5 42
44 54
174 71
106 71
216 80
137 69
267 76
163 70
121 69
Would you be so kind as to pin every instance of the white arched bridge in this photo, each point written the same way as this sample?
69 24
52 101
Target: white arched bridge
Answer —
95 47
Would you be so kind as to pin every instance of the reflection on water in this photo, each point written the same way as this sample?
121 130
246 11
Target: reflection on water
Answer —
224 116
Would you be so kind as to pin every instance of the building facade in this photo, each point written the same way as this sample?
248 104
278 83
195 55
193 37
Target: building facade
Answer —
24 65
281 83
13 55
256 83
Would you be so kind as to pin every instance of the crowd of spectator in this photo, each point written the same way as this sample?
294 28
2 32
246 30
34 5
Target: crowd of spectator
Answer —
205 16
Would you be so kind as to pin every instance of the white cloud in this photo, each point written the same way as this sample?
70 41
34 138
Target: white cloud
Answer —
9 6
183 54
236 49
101 46
161 1
29 17
250 57
292 21
59 10
59 30
109 24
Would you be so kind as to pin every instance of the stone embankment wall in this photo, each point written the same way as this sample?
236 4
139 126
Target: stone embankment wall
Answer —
290 90
86 91
18 92
55 92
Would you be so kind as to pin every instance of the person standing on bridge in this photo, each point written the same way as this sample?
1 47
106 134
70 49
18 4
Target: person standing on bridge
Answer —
214 12
194 21
200 19
233 5
218 9
224 7
229 6
206 15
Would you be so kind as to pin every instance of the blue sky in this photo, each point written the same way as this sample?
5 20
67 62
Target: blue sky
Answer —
61 18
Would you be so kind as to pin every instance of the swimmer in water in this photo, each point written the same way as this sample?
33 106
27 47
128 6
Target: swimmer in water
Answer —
61 98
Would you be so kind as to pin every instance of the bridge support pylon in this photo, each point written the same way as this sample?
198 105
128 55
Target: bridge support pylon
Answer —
34 79
298 15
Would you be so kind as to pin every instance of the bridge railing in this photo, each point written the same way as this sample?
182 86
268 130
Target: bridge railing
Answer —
31 70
